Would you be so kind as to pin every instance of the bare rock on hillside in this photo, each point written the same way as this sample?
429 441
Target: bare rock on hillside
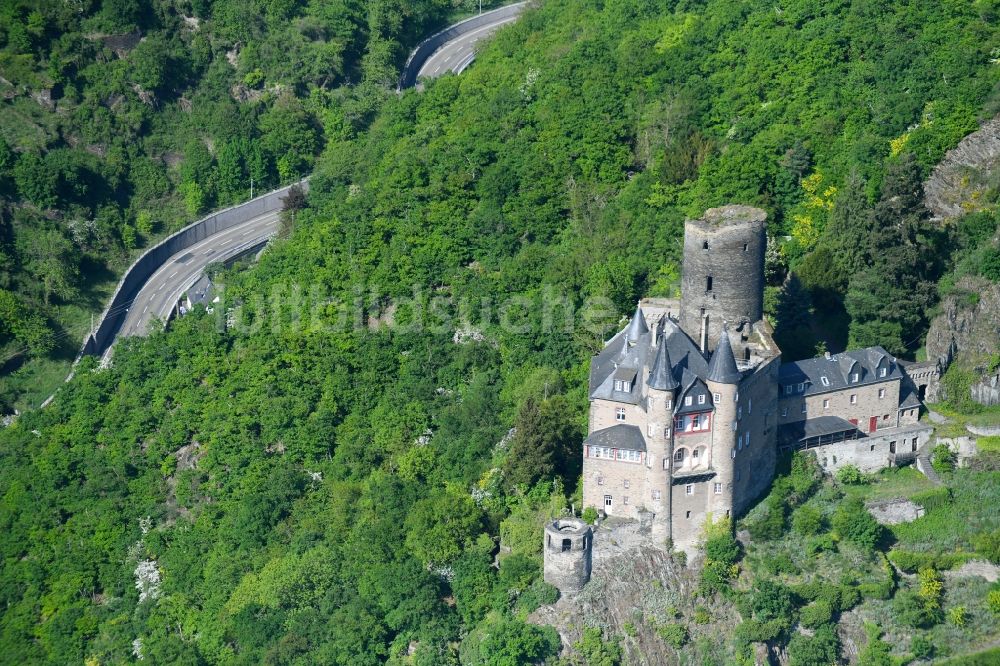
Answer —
958 184
970 317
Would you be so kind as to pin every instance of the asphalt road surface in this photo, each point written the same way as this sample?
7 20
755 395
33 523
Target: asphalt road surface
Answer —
166 286
459 53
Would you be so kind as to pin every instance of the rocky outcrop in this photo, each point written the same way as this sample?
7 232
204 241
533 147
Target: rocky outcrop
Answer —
969 324
958 184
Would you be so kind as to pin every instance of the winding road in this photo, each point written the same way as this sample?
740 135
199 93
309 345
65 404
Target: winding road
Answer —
451 50
459 52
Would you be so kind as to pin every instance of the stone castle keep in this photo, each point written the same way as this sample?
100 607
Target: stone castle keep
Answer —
690 402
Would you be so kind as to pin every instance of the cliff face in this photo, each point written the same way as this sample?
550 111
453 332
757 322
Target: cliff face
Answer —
958 184
969 324
971 317
635 592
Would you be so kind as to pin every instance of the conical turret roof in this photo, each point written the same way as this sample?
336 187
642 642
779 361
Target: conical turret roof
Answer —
661 377
722 368
637 327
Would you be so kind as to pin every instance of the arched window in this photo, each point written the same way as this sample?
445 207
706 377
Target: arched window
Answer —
679 455
695 456
567 545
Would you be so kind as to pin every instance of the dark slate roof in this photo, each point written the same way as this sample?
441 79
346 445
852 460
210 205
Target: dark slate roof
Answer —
619 436
837 370
200 291
693 386
908 395
816 427
722 368
661 376
684 357
637 327
693 476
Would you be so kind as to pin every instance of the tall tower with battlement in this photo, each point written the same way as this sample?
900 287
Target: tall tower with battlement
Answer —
722 281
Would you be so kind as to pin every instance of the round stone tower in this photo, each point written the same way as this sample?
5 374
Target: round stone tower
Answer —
567 552
723 276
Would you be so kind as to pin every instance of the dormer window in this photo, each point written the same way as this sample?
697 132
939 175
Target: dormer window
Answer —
688 400
789 389
826 382
882 372
855 377
622 386
701 399
802 387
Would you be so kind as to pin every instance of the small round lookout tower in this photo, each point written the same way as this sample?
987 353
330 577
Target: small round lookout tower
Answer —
723 276
567 548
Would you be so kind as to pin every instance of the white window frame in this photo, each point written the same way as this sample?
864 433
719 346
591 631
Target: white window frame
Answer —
881 393
701 398
656 495
854 398
855 377
687 401
718 488
689 489
619 414
826 382
695 455
784 412
789 389
826 403
608 501
716 398
883 372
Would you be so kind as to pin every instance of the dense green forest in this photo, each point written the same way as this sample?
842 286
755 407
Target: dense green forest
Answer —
325 474
123 120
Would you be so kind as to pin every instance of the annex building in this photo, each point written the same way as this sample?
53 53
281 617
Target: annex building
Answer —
690 402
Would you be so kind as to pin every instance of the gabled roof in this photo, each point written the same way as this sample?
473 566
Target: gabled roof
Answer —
693 385
620 436
836 370
722 368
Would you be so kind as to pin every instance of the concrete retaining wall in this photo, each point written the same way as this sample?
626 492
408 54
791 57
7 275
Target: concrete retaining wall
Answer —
147 264
426 48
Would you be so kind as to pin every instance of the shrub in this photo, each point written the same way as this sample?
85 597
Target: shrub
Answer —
674 633
931 587
701 615
589 515
943 458
820 543
816 614
876 651
823 647
934 498
993 601
911 611
958 616
772 524
987 544
921 647
912 562
850 475
779 563
808 520
853 522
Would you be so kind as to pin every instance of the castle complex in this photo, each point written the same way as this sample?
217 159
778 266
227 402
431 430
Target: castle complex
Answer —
690 402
